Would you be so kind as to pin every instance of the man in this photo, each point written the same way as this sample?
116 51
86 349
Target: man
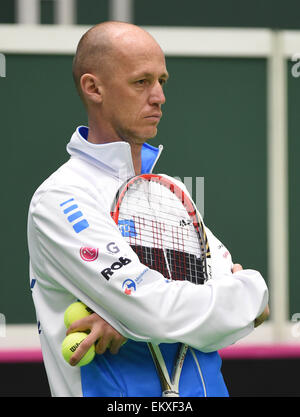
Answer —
120 71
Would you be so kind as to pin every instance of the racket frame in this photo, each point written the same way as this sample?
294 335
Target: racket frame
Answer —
170 386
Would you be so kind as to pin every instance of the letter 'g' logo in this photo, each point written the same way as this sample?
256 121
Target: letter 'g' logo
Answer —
112 247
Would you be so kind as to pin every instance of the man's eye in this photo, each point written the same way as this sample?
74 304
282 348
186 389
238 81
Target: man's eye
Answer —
141 82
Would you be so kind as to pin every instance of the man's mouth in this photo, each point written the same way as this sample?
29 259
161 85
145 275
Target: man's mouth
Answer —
154 116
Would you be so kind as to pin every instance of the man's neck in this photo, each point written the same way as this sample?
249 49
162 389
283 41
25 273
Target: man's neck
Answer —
99 135
96 135
136 153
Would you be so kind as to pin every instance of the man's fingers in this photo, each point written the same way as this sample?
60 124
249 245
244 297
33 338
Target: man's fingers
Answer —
260 319
103 343
81 325
113 342
99 333
116 344
236 268
82 349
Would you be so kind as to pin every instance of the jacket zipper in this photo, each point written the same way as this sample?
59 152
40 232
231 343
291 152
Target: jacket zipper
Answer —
160 147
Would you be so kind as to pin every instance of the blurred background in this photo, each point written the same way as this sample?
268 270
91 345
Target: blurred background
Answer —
231 118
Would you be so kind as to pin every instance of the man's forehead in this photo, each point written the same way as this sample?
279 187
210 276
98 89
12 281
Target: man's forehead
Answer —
135 41
142 60
133 50
146 69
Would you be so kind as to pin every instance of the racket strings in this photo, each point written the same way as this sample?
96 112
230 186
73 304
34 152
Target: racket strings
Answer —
162 233
183 266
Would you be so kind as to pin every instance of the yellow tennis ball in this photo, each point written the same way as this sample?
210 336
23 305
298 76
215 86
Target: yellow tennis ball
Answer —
76 311
71 343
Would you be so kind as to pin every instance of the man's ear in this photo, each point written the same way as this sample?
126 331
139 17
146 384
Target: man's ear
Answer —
91 88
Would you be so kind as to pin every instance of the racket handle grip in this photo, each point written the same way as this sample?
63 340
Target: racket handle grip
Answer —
170 394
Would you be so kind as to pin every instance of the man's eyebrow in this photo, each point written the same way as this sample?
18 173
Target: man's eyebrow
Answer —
165 75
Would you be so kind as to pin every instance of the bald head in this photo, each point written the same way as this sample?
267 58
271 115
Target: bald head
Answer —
99 47
120 71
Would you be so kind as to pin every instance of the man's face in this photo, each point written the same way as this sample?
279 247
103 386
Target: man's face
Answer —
133 92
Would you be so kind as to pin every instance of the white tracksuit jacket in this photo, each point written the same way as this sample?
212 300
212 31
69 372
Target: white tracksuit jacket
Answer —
72 239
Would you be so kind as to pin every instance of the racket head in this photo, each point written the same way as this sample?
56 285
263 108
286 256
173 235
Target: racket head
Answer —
162 225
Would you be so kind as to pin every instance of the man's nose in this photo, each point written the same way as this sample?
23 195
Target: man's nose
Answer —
157 95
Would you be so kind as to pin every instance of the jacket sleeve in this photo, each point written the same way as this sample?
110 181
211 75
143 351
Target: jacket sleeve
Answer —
88 257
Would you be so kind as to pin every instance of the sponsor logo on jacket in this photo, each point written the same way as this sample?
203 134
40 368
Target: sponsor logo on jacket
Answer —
107 273
128 286
74 215
89 254
112 247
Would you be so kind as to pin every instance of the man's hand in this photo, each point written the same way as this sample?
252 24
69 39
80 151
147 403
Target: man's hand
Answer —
265 314
100 332
236 268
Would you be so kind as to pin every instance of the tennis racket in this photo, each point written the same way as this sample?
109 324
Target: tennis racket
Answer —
161 224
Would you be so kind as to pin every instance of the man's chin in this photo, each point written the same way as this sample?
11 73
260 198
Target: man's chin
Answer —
152 134
140 137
